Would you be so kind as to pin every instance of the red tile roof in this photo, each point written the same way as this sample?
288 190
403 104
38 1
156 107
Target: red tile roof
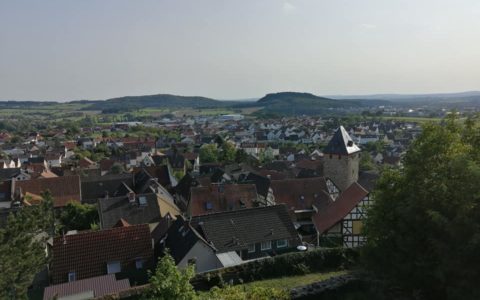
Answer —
87 253
85 162
335 212
122 223
101 286
222 197
290 192
63 189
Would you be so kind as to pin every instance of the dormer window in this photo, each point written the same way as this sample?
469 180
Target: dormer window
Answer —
113 267
142 200
208 205
72 276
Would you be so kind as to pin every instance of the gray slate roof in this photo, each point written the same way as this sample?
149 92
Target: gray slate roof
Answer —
97 186
341 143
113 209
235 230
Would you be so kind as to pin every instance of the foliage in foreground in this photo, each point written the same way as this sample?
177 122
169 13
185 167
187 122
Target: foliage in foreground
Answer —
424 227
168 282
22 247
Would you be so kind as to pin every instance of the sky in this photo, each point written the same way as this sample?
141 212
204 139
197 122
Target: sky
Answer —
84 49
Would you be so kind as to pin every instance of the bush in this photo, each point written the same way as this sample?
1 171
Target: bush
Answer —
297 263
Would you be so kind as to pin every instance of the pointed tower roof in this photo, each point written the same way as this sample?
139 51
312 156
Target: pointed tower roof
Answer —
341 143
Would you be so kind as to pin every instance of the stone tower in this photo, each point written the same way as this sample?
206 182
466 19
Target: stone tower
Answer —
341 159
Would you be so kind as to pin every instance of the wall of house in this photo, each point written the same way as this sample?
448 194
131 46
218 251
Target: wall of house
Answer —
342 169
204 256
245 255
352 225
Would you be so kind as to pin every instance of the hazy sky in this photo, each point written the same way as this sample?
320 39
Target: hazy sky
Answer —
85 49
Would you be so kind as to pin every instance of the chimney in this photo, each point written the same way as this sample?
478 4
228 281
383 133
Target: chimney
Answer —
131 197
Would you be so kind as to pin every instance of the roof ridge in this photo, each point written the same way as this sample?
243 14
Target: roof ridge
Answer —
131 227
240 210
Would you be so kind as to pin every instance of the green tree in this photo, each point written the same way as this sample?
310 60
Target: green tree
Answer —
78 216
117 169
376 147
241 156
366 162
22 247
208 153
168 282
228 152
423 229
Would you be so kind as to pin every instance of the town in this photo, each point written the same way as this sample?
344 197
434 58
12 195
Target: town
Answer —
239 150
215 191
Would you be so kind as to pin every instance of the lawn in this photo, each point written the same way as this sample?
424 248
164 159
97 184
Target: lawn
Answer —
293 281
412 119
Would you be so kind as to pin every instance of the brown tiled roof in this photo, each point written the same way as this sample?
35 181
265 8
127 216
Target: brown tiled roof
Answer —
190 155
159 172
122 223
101 286
274 175
336 211
106 164
85 162
309 164
63 189
87 253
221 197
70 145
301 193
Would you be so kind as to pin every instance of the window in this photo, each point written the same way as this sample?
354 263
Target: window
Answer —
266 246
208 205
113 267
282 243
72 276
357 227
142 200
251 248
139 263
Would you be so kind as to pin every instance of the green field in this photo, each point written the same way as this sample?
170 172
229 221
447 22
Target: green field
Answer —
408 119
288 283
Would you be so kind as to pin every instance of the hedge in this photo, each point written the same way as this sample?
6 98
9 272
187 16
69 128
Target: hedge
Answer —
297 263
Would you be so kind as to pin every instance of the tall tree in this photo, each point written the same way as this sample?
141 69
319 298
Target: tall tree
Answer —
228 152
168 282
423 229
78 216
22 247
209 153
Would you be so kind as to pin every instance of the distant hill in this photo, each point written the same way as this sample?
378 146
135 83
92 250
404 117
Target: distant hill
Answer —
155 101
293 103
444 97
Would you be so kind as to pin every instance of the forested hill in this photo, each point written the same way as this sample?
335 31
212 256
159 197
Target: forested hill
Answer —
155 101
292 103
